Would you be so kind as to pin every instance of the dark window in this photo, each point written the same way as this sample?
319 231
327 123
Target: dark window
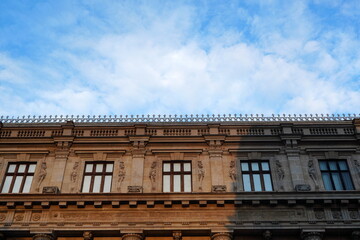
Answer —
336 175
256 176
98 177
177 176
18 178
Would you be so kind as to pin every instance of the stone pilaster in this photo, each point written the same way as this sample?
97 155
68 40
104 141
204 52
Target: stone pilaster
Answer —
87 235
221 236
42 236
311 235
215 157
132 236
138 159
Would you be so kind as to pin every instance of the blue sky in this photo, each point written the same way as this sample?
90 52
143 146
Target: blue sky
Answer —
178 57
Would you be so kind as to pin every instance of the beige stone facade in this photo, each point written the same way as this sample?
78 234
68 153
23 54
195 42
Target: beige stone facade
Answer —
294 204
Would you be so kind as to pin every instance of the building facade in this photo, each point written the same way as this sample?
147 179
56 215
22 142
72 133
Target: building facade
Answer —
192 177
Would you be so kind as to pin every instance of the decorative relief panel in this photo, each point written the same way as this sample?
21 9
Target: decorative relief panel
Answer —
201 174
121 175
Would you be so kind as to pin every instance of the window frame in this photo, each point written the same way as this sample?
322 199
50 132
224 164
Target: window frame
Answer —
260 172
16 174
339 171
93 174
173 173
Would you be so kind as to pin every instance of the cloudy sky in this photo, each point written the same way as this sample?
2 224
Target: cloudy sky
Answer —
177 57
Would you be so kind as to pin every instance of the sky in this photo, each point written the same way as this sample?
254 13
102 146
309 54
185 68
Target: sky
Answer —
179 57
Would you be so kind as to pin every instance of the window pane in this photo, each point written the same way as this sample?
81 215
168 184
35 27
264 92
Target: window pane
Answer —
107 184
22 168
246 181
187 167
11 168
17 184
32 168
343 165
89 168
187 183
27 184
337 181
86 184
255 166
257 183
109 167
99 167
166 183
7 184
97 184
177 167
166 167
265 166
177 183
323 166
327 181
332 165
244 166
347 181
267 182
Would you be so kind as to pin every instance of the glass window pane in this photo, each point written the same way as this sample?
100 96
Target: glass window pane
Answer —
97 184
166 183
347 181
187 167
177 167
7 184
332 165
337 181
343 165
99 167
244 166
255 166
86 184
267 182
327 181
109 167
107 184
323 166
22 168
187 183
177 183
32 168
257 182
265 166
27 184
89 168
246 182
11 168
166 167
17 184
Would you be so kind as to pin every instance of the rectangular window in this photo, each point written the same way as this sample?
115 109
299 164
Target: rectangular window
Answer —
256 176
336 175
97 177
18 178
177 176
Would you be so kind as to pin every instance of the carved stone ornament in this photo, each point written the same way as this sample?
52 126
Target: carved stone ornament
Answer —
221 236
311 235
218 188
354 214
355 235
43 237
177 235
134 189
280 174
267 235
51 190
302 188
121 175
232 171
74 173
41 176
87 235
357 165
152 175
319 214
132 236
312 173
201 174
